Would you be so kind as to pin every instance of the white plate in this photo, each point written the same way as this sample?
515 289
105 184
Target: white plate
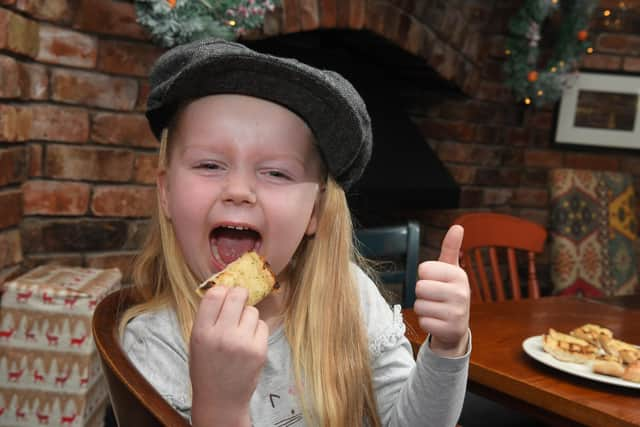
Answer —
533 347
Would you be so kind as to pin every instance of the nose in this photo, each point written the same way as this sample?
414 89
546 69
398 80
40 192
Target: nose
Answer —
240 187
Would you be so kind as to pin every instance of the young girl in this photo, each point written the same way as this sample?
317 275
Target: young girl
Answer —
256 154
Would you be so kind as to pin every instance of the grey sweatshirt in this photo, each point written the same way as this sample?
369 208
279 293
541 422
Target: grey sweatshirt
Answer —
426 392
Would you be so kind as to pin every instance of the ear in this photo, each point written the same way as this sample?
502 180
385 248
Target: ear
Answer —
312 226
163 190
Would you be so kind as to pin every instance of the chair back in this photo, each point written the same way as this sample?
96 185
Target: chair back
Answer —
393 243
499 237
135 402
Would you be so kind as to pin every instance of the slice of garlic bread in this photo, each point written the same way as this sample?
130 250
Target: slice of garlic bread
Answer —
250 271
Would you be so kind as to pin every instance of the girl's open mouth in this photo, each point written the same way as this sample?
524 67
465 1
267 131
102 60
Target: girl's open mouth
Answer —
229 242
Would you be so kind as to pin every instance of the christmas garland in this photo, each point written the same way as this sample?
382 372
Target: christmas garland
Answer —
174 22
542 85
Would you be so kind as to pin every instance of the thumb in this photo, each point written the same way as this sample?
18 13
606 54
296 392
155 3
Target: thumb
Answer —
450 250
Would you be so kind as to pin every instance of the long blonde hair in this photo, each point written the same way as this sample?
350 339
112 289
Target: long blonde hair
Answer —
323 321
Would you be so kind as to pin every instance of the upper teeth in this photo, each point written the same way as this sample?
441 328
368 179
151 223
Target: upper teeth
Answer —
236 227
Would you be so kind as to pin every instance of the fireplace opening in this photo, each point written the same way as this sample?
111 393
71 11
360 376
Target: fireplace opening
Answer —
404 172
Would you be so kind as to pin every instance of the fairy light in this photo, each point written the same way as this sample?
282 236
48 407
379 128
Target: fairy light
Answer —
540 93
606 12
231 23
589 50
507 52
527 100
554 69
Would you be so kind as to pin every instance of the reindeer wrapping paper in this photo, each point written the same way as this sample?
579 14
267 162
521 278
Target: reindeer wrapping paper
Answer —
49 369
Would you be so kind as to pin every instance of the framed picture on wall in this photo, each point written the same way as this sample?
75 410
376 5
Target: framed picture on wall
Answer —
600 110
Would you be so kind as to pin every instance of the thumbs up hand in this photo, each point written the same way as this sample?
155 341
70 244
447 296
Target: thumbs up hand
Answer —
442 298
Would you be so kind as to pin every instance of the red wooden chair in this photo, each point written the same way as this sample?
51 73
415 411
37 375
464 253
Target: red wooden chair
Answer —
500 237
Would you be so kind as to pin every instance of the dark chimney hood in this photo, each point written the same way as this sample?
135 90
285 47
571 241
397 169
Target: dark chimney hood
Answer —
404 172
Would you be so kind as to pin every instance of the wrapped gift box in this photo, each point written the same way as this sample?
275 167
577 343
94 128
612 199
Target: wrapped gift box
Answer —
49 368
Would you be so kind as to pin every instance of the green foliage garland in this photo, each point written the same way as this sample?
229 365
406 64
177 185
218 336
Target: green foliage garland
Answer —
542 85
174 22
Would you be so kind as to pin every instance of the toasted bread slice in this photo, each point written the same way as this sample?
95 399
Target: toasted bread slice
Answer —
568 348
610 368
250 271
632 373
590 333
628 352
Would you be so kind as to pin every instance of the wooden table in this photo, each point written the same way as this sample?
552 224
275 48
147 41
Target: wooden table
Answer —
502 371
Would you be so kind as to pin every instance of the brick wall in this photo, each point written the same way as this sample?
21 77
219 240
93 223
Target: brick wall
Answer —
76 156
77 159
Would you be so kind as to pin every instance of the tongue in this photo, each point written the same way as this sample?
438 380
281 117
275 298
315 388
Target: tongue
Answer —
231 244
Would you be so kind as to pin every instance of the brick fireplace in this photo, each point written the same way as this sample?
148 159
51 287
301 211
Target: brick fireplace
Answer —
77 159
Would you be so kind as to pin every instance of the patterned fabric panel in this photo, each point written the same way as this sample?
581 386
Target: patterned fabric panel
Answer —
593 233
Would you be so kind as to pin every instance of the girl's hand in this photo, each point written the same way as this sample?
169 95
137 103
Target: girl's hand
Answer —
227 351
442 298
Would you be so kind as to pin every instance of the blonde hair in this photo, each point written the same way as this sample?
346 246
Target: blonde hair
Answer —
323 321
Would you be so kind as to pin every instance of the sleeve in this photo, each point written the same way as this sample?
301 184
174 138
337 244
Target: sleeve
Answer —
160 357
429 392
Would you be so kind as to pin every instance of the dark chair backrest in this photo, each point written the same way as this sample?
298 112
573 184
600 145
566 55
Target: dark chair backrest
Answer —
392 243
135 402
493 235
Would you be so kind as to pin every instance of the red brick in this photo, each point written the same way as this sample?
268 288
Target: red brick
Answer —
57 123
462 174
144 168
122 129
624 44
591 161
496 196
13 167
88 163
9 77
10 248
357 14
486 155
10 208
531 197
493 91
631 64
66 47
119 57
455 152
416 37
108 17
18 34
34 155
143 94
123 201
15 123
601 62
543 158
273 25
55 198
517 136
120 260
291 16
81 87
328 13
48 10
309 16
73 235
447 130
374 18
34 81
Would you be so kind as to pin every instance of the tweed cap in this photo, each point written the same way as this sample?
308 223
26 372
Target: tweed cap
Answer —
325 100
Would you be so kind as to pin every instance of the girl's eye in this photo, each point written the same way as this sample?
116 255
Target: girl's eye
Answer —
208 166
278 174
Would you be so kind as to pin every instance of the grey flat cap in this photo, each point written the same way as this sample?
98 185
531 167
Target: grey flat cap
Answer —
325 100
